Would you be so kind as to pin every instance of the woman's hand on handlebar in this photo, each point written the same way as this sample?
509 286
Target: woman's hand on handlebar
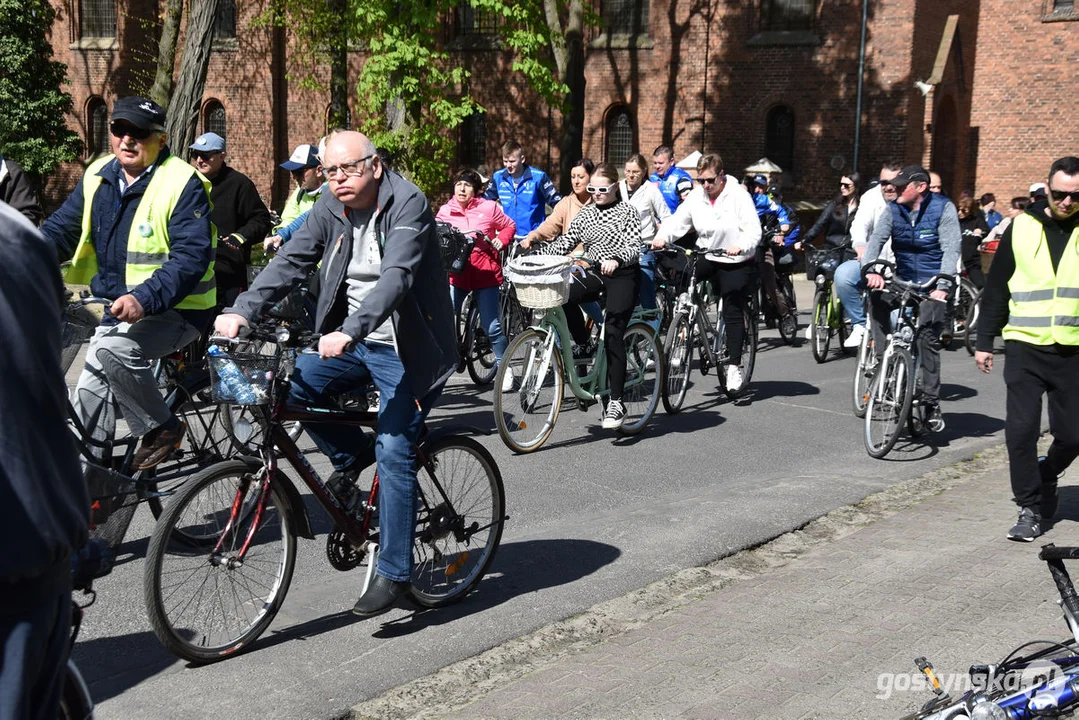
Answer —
658 243
230 324
333 345
607 267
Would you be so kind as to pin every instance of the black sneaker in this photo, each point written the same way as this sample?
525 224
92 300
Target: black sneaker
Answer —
615 415
1049 489
342 482
1028 527
789 325
934 419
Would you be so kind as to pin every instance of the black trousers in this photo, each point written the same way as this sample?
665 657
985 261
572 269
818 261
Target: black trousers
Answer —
1030 373
623 287
768 280
733 282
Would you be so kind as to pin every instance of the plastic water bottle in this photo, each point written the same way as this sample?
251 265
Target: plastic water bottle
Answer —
236 384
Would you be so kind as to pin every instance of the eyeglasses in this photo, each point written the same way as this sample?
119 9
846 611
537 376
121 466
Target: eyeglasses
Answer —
205 156
600 189
351 169
707 181
846 186
124 130
1059 195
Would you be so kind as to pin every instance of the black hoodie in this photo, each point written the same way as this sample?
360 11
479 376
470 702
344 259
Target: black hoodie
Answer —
993 315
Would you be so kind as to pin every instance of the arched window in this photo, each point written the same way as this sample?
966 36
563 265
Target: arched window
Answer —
97 126
474 140
619 136
779 137
97 18
225 22
213 118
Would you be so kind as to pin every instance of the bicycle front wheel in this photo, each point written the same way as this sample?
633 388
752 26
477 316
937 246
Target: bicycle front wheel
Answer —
644 377
459 525
206 602
863 373
525 415
481 356
821 331
678 357
890 397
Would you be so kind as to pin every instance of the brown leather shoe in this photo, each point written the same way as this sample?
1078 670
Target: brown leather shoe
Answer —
157 445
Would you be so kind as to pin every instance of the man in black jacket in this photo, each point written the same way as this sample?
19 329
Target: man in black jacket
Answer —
44 507
18 191
238 213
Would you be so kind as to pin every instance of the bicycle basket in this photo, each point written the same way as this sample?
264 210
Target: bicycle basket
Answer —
824 261
76 328
451 242
541 281
242 378
112 504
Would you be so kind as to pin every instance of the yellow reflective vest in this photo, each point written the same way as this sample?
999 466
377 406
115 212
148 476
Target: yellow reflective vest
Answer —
148 241
1044 307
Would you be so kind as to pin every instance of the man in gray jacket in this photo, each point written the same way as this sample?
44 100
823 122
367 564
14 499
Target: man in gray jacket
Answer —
385 316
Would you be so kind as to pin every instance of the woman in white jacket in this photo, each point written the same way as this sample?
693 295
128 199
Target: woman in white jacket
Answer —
722 213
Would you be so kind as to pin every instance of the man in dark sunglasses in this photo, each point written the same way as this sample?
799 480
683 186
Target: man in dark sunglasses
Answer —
1031 297
240 216
146 244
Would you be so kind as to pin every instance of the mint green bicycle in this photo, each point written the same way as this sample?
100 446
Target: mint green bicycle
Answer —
542 365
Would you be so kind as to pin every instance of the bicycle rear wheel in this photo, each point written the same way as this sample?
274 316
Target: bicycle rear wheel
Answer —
644 377
678 358
204 602
525 416
821 331
459 525
888 406
481 356
863 374
964 308
788 331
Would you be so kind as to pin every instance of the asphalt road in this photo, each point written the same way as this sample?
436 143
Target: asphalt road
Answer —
592 517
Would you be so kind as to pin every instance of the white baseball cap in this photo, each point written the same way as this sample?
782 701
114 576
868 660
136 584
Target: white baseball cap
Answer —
304 156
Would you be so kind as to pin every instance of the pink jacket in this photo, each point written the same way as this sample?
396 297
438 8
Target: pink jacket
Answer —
484 267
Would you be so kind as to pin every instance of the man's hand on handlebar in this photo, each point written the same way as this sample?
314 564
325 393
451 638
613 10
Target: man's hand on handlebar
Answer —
272 243
658 243
874 281
229 324
333 345
939 295
127 309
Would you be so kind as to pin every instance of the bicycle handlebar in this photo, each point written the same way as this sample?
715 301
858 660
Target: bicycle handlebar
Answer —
892 279
1054 557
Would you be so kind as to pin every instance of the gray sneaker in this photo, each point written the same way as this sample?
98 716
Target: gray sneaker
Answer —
1028 527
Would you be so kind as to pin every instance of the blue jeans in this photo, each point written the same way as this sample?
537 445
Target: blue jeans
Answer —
848 287
400 422
486 300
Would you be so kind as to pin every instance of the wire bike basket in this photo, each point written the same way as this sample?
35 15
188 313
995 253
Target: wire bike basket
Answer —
541 281
825 261
76 328
241 378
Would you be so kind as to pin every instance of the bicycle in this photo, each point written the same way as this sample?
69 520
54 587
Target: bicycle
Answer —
894 396
116 489
784 261
693 327
221 558
827 318
1038 684
539 359
866 366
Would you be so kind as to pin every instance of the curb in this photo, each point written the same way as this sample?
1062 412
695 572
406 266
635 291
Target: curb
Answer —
458 685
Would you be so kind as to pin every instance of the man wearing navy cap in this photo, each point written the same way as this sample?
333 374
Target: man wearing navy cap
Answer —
240 216
137 230
306 169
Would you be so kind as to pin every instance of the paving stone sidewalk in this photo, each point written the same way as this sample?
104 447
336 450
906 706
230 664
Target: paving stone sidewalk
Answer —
832 634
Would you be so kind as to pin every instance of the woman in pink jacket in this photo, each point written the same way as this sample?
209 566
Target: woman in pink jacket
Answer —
469 213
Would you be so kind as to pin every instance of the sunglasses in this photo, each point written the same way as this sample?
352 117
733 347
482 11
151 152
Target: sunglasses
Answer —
846 186
205 156
707 181
124 130
1059 195
600 189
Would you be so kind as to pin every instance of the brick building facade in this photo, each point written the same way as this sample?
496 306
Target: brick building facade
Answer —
775 78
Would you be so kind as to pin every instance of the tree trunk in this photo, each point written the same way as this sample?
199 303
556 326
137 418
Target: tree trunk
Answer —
567 47
183 117
161 92
339 111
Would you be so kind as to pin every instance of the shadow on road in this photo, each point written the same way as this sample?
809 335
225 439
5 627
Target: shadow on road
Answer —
768 389
950 392
112 665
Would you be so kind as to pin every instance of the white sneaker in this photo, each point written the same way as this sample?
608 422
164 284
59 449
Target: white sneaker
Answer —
615 415
734 378
508 380
855 338
809 331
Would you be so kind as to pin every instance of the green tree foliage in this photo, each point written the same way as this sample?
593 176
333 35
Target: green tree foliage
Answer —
32 104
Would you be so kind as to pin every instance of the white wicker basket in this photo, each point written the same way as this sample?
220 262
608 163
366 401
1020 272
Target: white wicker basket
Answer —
541 281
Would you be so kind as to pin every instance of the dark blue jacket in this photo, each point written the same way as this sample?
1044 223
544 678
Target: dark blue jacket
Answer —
190 248
917 239
524 199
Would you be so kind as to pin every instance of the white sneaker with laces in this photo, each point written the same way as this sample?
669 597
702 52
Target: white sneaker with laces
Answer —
508 380
615 415
855 338
734 378
809 331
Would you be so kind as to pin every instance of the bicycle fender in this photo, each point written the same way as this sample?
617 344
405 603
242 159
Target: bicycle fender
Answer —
447 430
301 520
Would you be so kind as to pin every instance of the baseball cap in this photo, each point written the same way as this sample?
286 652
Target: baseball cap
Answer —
209 142
760 180
909 174
304 156
1038 189
140 112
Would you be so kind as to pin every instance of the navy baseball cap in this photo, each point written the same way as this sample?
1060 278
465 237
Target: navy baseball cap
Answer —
909 174
140 112
760 180
304 156
208 142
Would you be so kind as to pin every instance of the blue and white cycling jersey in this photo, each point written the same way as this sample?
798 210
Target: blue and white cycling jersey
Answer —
524 199
676 183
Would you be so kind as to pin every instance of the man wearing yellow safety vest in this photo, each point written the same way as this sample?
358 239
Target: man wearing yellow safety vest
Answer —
1032 292
137 230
